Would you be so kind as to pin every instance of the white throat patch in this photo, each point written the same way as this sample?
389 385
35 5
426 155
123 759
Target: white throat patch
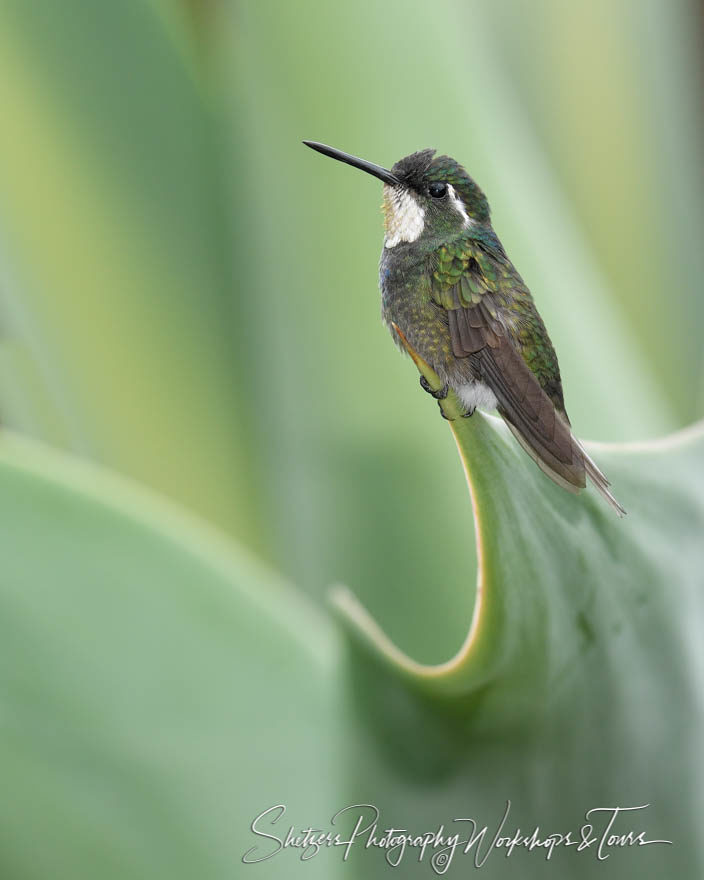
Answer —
404 218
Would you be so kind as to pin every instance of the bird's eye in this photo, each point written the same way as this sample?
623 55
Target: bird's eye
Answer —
437 190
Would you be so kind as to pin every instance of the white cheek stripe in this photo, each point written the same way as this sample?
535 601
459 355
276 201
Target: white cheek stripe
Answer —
405 219
457 204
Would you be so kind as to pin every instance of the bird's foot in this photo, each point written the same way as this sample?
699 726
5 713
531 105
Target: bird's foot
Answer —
469 413
443 413
441 394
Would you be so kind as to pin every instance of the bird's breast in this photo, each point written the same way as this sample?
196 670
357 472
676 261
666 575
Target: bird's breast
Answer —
406 302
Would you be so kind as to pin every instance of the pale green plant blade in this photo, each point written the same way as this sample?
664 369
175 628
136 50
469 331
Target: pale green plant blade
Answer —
158 687
579 683
120 333
624 136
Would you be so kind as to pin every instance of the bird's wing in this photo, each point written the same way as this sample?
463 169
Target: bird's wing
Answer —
468 284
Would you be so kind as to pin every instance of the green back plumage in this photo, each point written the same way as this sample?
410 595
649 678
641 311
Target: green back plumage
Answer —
468 272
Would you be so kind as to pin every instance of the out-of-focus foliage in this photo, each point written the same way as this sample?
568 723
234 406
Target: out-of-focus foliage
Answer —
122 340
159 687
160 690
189 297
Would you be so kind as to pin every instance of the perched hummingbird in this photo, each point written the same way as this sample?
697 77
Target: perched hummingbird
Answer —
449 287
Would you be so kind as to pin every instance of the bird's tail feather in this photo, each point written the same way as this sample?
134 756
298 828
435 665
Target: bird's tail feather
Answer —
542 464
587 466
601 484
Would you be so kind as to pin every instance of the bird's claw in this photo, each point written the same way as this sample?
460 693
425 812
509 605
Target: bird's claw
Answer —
443 413
441 394
469 413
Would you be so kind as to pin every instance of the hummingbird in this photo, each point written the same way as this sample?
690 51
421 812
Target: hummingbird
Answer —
449 287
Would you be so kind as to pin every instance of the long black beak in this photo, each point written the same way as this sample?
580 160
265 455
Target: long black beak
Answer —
382 173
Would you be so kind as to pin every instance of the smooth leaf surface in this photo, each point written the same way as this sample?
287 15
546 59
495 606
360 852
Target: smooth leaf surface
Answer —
579 684
121 332
158 688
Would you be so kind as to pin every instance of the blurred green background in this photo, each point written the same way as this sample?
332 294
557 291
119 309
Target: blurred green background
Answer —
189 296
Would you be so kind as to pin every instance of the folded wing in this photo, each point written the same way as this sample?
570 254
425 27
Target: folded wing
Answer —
478 333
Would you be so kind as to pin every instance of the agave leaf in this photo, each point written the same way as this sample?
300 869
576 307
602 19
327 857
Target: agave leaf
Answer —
120 334
159 688
578 684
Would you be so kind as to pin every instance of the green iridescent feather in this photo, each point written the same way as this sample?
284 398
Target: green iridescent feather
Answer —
467 273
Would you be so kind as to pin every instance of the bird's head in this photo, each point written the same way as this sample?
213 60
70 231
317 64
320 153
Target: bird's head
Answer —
425 196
